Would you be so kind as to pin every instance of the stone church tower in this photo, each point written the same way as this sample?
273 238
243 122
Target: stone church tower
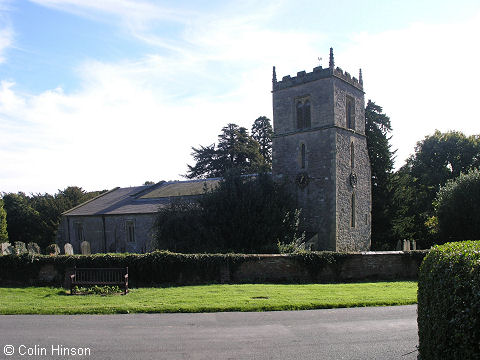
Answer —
320 150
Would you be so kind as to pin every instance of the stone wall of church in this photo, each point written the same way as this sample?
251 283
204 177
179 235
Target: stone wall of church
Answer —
356 236
329 196
317 196
109 233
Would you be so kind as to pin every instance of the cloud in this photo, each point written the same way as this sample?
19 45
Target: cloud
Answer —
424 76
135 119
122 128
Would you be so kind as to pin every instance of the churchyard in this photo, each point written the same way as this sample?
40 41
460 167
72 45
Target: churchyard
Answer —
170 293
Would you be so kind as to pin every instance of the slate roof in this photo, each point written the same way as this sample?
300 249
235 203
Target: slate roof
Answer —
145 199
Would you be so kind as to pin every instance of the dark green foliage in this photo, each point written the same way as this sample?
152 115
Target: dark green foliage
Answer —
244 214
377 129
166 268
179 227
24 222
3 223
35 218
449 302
438 158
236 150
262 132
458 208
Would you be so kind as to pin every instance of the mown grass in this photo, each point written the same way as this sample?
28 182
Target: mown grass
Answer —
208 298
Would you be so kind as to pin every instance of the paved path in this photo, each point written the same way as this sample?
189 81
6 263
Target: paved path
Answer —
357 333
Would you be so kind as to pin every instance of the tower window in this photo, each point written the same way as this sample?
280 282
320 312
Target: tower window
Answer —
350 113
303 114
352 155
306 114
299 115
352 222
302 154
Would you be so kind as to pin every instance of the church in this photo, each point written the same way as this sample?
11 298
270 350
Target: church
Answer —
319 149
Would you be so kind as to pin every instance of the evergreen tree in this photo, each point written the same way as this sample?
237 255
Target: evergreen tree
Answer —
236 149
3 223
245 214
262 132
377 129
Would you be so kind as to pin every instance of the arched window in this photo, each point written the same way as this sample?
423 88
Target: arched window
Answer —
303 114
306 114
299 115
352 155
302 154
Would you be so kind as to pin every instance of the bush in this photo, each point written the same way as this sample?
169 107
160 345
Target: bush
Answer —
166 268
449 302
458 208
244 214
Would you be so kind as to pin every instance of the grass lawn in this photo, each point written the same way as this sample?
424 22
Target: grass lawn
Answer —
209 298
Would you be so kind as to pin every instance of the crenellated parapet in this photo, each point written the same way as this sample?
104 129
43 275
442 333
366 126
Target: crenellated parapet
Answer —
317 73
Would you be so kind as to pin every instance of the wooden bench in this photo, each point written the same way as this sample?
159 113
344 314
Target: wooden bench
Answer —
99 276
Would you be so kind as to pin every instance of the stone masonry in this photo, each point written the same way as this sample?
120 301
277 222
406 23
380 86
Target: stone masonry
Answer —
325 164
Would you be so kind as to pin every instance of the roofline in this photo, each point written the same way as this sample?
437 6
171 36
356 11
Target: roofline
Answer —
148 188
120 214
86 202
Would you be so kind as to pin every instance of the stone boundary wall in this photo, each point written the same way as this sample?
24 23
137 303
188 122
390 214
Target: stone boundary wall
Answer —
375 266
179 269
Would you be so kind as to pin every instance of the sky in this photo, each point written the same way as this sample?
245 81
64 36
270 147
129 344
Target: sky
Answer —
106 93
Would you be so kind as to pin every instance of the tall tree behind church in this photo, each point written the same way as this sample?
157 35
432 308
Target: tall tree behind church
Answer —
236 149
262 132
3 223
377 129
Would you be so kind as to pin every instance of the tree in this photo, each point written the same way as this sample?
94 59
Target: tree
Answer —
377 129
3 223
235 150
457 208
437 159
262 132
243 214
23 221
36 217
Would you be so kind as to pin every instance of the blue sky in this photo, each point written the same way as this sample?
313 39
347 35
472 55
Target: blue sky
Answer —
105 93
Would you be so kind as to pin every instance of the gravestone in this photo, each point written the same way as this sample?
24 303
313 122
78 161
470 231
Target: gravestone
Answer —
20 248
413 245
85 246
33 248
7 248
53 249
399 245
68 249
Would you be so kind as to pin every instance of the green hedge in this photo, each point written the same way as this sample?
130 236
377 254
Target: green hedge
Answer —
163 267
449 302
158 267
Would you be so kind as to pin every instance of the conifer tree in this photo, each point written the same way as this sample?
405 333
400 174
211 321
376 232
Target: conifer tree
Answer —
3 223
377 129
262 132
